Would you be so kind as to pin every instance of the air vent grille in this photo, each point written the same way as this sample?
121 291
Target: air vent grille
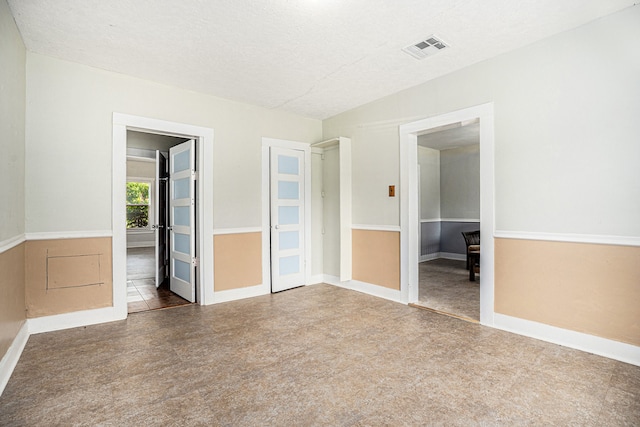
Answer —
427 47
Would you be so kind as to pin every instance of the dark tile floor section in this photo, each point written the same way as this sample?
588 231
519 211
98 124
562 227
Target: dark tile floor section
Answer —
317 355
445 286
142 295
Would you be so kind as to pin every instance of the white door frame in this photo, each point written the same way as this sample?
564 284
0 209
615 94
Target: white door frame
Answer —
267 143
204 138
409 208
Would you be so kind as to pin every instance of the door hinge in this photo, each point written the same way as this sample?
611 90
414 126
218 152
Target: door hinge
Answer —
164 178
194 261
194 175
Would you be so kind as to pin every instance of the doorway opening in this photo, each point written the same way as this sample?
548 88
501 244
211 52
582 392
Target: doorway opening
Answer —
410 204
190 183
149 275
449 207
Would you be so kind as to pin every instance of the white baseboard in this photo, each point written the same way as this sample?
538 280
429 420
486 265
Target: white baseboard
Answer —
315 279
449 255
601 346
11 357
444 255
73 320
429 257
240 293
366 288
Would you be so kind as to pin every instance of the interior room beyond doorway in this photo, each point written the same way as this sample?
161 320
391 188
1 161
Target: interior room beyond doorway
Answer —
147 283
449 200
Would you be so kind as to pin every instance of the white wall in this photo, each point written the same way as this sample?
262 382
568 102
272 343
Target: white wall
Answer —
460 183
429 161
12 117
68 142
566 132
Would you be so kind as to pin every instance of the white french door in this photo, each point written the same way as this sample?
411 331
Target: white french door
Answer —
182 220
160 221
287 179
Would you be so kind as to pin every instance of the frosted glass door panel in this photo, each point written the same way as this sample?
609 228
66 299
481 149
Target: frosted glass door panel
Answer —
288 190
182 243
181 162
182 270
288 165
289 240
181 188
288 215
181 215
289 265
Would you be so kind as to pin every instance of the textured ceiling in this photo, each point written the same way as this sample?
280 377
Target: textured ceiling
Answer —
316 58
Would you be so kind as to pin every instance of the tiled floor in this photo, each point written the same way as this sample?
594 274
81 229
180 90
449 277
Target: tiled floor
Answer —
317 355
142 294
445 286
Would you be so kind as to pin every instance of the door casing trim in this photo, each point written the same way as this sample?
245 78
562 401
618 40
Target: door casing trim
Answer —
204 223
409 209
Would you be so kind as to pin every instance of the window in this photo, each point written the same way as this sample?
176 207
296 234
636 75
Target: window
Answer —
138 202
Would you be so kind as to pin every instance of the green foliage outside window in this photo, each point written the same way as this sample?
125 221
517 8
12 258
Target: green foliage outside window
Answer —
137 205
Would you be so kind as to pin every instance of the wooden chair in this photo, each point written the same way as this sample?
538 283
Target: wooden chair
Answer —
472 240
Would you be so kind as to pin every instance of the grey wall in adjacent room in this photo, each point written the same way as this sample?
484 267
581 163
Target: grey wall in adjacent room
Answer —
460 183
451 240
430 238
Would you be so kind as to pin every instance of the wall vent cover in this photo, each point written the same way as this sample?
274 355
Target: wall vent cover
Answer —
427 47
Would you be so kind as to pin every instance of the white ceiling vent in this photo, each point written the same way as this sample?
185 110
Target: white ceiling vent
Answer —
427 47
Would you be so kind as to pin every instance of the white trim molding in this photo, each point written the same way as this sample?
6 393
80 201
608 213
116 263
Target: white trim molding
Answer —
240 293
368 227
569 238
422 221
366 288
204 243
74 319
11 357
409 204
54 235
592 344
221 231
11 242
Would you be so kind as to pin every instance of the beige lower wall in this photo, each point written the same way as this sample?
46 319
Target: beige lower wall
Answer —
237 260
66 275
376 257
12 306
589 288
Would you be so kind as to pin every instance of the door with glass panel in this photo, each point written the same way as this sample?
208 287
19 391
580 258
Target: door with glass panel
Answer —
287 218
182 220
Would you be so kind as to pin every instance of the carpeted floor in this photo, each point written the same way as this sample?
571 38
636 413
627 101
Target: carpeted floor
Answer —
445 286
312 356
